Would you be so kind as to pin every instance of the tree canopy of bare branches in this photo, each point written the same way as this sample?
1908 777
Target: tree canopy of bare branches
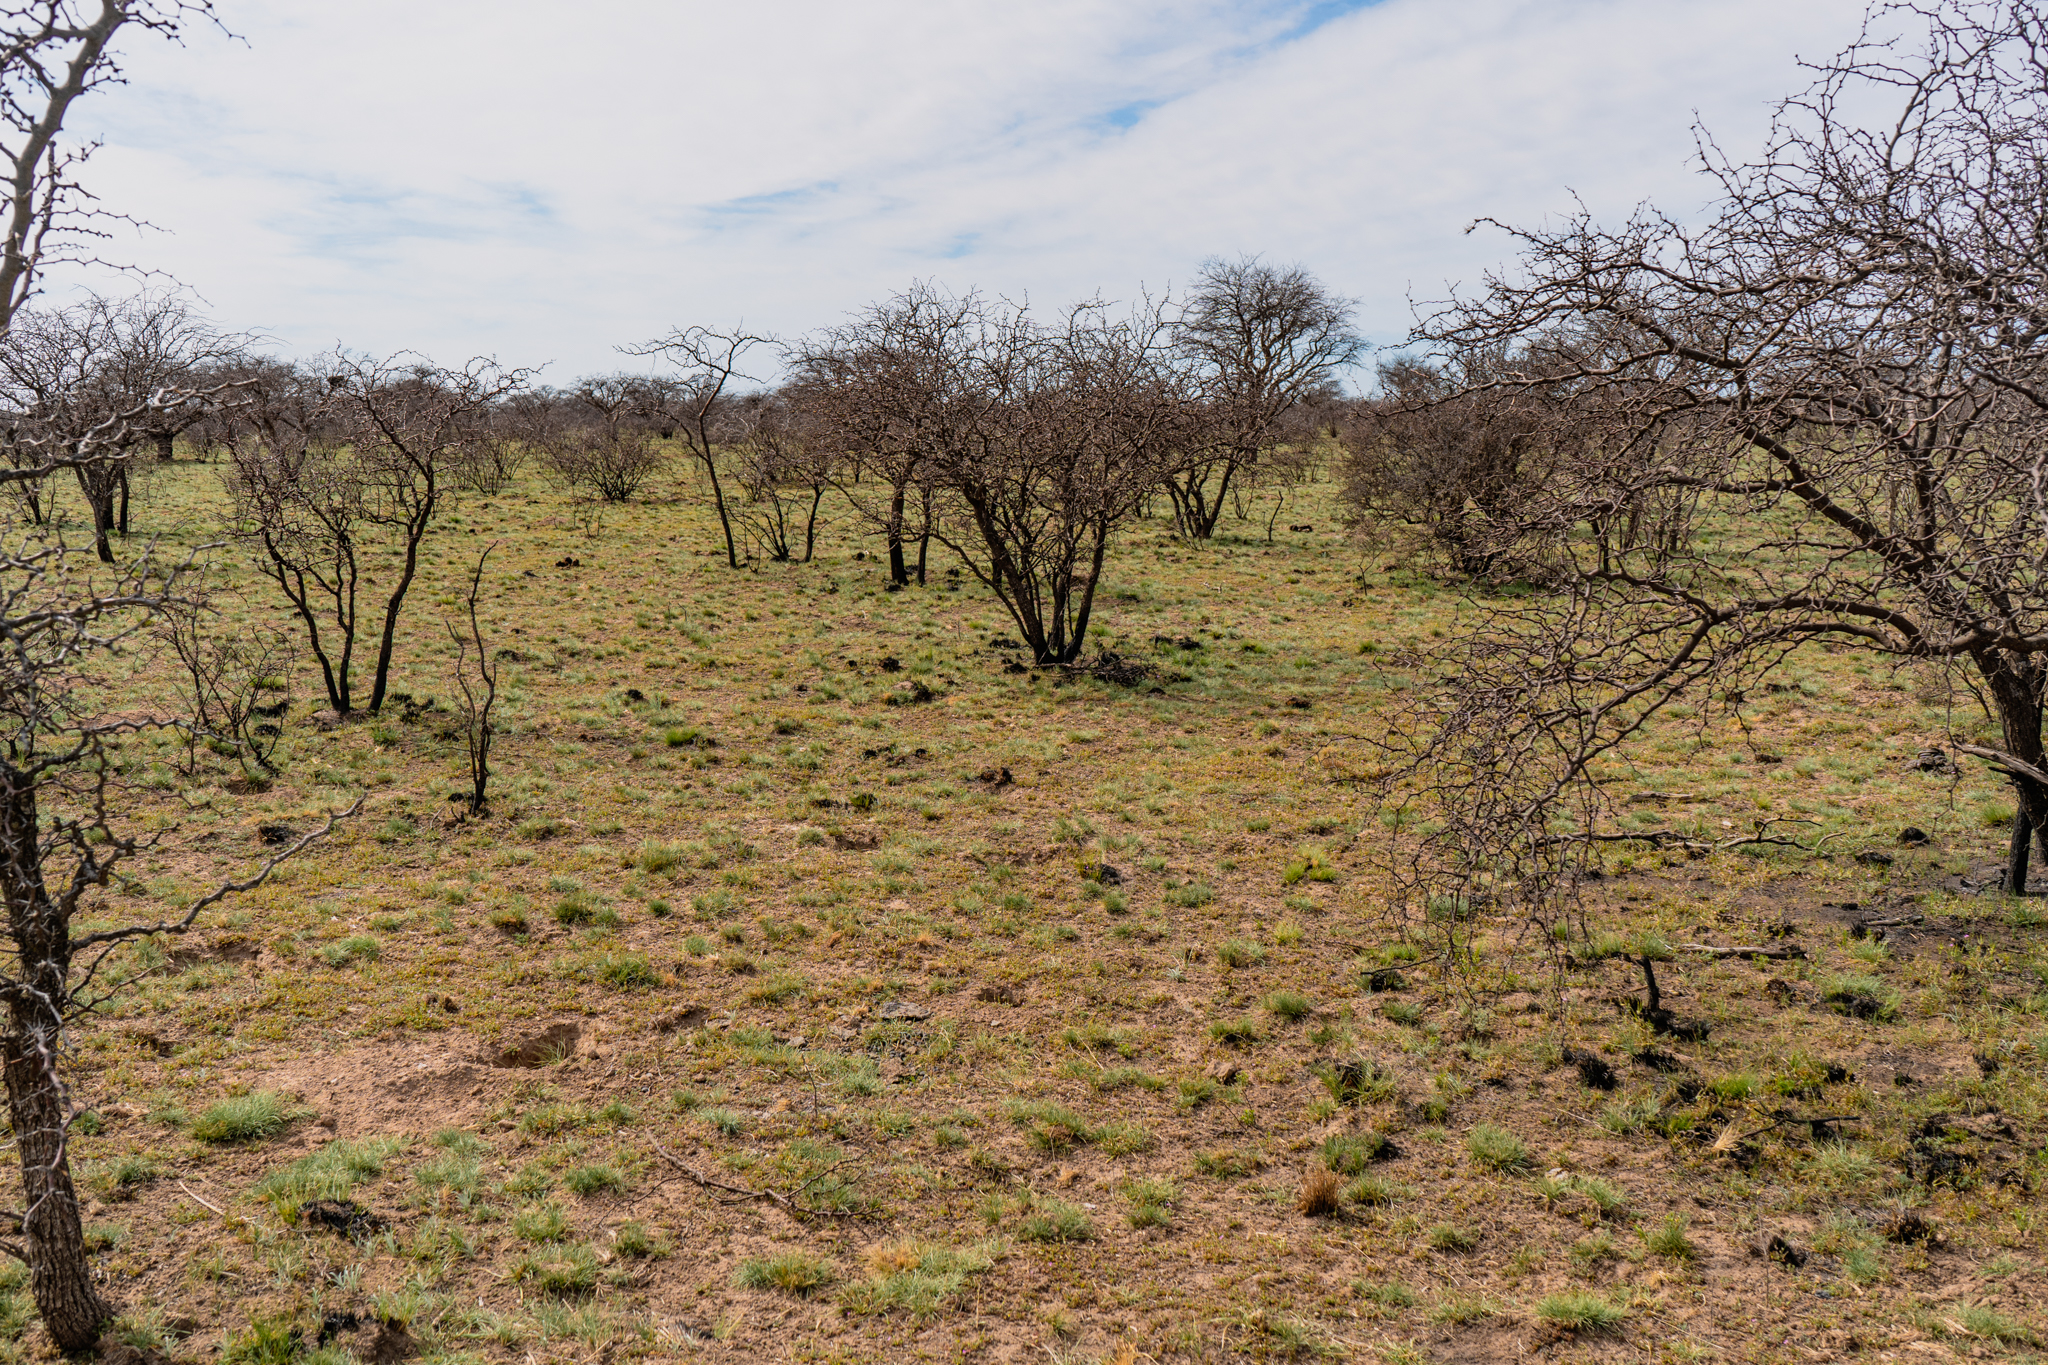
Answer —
1033 441
783 462
65 373
693 402
1263 340
1443 448
1818 420
338 501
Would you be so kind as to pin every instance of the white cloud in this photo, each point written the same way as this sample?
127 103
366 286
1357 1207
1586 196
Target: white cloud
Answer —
545 181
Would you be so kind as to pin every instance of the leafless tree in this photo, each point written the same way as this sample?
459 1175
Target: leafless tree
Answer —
1441 449
476 680
59 839
694 405
1832 403
348 507
865 384
1035 441
234 687
60 842
65 371
1264 340
783 463
613 462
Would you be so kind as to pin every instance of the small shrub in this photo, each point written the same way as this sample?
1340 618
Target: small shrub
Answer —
1321 1192
1289 1005
245 1118
791 1272
1240 952
1497 1149
597 1179
1190 896
1581 1311
1054 1220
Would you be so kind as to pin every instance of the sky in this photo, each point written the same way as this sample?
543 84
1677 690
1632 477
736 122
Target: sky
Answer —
544 182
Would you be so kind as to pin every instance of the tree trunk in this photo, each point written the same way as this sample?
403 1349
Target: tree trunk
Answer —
60 1276
899 573
101 515
2015 688
732 553
60 1273
124 502
166 450
811 522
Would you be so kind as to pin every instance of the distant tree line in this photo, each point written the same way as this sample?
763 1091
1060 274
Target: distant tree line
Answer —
1020 444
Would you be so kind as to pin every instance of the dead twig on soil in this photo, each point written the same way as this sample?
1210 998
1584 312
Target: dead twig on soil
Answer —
204 1204
1813 1125
788 1202
1783 953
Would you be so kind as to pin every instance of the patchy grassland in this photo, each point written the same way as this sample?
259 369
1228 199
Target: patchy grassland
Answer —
824 1049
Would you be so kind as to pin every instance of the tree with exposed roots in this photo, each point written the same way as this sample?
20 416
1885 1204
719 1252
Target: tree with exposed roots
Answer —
1817 420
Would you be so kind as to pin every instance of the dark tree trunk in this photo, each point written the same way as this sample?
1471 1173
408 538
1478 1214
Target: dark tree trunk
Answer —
60 1276
811 522
124 503
166 449
2015 688
899 573
101 544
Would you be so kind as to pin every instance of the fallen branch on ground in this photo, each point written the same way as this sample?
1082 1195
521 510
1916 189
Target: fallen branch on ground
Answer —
743 1193
1744 950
